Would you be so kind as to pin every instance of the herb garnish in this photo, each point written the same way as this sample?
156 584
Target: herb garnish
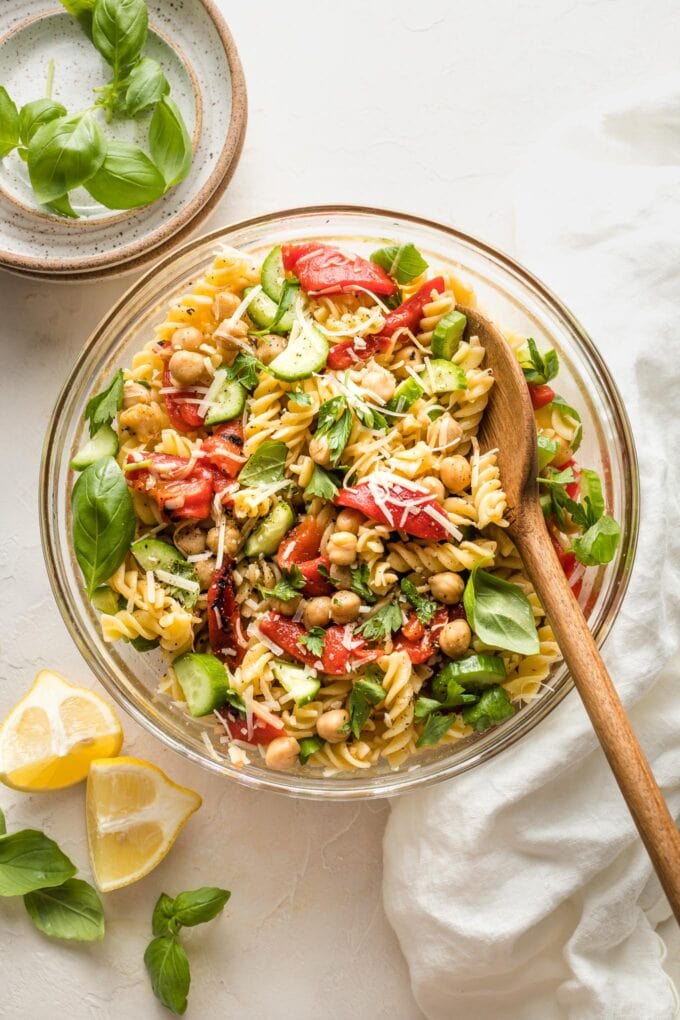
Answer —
387 619
500 613
364 694
335 423
404 262
314 639
322 483
540 368
287 587
359 584
425 608
601 533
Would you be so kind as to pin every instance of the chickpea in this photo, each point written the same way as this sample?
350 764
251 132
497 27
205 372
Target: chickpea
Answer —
454 638
350 520
224 305
455 473
204 572
188 338
564 452
232 540
342 548
447 587
145 420
319 451
444 432
410 356
190 541
269 347
287 607
282 753
135 393
317 612
345 606
380 381
434 486
187 368
330 724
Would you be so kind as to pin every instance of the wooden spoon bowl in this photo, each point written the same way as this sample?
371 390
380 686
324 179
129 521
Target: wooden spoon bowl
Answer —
509 427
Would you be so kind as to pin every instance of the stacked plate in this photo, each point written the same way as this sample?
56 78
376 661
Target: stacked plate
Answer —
192 42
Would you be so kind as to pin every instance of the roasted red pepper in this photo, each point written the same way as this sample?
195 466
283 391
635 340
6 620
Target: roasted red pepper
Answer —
407 316
412 512
421 647
541 395
573 489
179 493
300 547
237 728
336 656
224 618
183 416
322 269
567 559
224 448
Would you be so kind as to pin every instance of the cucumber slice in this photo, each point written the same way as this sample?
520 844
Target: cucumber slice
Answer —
267 536
152 554
203 680
262 310
305 354
448 334
104 443
547 448
228 403
441 376
297 681
480 670
406 393
493 707
273 274
106 600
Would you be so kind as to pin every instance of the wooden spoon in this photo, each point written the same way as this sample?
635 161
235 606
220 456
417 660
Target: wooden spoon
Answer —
510 427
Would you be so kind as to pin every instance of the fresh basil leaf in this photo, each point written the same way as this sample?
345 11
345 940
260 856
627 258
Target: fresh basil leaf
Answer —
146 86
322 483
559 478
599 543
3 826
266 465
287 587
83 10
103 407
591 494
119 29
244 370
425 608
163 919
9 123
199 905
387 619
500 614
168 969
360 584
404 262
33 115
450 692
493 707
63 207
70 911
314 640
435 728
29 860
336 429
291 289
104 521
424 707
126 179
64 154
169 142
308 747
567 409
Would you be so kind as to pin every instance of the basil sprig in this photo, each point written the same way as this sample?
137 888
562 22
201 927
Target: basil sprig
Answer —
119 29
403 262
169 142
103 521
600 533
146 86
165 959
63 154
500 613
126 178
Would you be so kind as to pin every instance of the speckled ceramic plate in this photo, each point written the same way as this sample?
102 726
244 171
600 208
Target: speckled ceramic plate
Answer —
192 43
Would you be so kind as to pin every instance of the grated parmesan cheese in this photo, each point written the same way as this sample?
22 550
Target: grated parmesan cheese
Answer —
177 581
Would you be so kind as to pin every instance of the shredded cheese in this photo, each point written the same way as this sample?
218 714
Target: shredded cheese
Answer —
213 390
177 581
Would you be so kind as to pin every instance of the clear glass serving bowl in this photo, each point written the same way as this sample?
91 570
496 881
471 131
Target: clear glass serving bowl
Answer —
507 292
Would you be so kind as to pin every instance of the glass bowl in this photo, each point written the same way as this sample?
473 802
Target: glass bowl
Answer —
514 298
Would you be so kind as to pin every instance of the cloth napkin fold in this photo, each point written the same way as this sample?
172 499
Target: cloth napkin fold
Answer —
521 889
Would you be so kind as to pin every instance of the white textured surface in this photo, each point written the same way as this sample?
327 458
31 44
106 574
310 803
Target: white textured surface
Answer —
420 107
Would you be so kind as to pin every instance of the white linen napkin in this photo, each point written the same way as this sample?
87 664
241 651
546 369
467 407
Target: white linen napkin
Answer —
521 889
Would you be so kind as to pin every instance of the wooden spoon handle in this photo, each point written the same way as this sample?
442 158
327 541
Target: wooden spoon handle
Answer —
626 758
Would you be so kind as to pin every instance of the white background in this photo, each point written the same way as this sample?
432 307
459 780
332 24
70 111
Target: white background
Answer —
427 107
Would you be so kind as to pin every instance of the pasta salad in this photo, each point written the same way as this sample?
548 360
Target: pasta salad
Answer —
284 493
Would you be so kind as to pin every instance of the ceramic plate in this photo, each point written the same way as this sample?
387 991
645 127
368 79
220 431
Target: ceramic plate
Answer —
191 41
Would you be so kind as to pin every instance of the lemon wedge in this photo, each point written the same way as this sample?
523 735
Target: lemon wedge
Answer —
52 735
134 815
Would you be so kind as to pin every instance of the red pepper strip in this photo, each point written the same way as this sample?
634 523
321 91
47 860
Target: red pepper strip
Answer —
573 490
336 657
421 648
407 316
567 559
300 547
183 416
237 728
195 489
416 522
224 619
576 587
541 395
322 269
224 448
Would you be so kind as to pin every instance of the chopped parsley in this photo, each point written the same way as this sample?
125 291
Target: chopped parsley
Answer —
323 483
314 640
364 694
359 584
600 532
308 747
425 608
244 370
435 728
287 587
335 423
388 619
300 397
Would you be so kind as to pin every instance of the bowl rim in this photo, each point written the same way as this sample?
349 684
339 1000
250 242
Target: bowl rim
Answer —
136 253
390 784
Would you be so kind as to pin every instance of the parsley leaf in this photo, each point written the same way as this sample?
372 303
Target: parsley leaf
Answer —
103 407
601 533
322 483
244 370
359 584
364 694
541 368
287 587
336 429
425 608
314 640
387 619
300 397
435 728
404 262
